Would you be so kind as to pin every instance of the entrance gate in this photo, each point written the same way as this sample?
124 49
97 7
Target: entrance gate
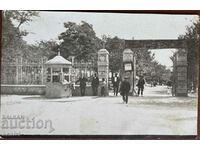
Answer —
180 63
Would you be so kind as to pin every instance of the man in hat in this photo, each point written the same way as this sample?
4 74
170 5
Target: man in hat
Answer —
124 89
82 80
140 84
115 81
95 84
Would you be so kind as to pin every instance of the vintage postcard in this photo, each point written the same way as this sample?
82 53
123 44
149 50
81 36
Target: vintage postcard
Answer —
99 74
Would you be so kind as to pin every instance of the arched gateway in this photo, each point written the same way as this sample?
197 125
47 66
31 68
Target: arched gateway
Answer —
180 63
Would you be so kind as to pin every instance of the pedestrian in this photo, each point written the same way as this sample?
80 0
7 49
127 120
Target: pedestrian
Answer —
140 85
124 89
82 80
103 87
115 81
95 84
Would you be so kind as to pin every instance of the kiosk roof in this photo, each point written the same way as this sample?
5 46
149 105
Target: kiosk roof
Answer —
58 60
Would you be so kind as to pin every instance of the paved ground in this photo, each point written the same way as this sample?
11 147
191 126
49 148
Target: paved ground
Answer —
155 113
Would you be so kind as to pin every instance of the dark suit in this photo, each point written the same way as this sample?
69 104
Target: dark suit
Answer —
124 90
140 85
82 81
115 81
95 84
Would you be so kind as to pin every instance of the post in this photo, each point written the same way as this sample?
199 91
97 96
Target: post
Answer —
42 71
128 68
17 71
73 60
134 73
51 69
181 74
103 68
21 65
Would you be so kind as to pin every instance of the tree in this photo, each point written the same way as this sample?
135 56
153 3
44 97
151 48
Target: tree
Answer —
12 41
144 61
43 48
79 40
13 44
23 16
115 46
147 65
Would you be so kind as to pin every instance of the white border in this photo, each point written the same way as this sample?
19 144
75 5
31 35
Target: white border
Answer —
100 4
101 145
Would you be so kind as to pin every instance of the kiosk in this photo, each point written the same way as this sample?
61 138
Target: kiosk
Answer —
58 77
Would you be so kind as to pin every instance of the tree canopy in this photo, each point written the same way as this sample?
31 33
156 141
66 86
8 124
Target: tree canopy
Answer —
79 40
13 44
115 46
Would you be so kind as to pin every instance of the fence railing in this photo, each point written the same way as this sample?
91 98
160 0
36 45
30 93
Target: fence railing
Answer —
85 68
33 72
23 71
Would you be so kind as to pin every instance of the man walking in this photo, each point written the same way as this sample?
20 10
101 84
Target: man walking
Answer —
95 84
103 87
115 82
124 89
82 80
140 85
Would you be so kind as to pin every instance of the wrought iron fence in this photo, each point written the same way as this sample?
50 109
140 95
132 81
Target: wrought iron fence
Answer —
33 72
85 68
23 71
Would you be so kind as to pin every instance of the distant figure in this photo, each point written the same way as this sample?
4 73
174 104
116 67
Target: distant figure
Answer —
38 80
151 83
115 81
124 89
169 87
154 83
169 83
140 85
103 87
82 81
95 84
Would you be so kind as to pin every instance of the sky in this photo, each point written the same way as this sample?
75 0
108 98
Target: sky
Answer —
163 57
126 26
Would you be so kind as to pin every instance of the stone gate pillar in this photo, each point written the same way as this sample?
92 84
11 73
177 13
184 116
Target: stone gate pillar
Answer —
128 68
181 74
103 68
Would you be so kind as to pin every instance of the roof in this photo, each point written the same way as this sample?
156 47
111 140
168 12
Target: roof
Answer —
58 60
103 51
127 51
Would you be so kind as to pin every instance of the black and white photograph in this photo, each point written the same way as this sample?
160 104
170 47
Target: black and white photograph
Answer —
74 73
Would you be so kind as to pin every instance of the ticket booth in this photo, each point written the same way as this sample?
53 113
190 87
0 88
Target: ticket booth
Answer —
58 77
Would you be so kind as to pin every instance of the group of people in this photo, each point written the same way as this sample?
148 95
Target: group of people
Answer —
95 83
125 87
118 86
